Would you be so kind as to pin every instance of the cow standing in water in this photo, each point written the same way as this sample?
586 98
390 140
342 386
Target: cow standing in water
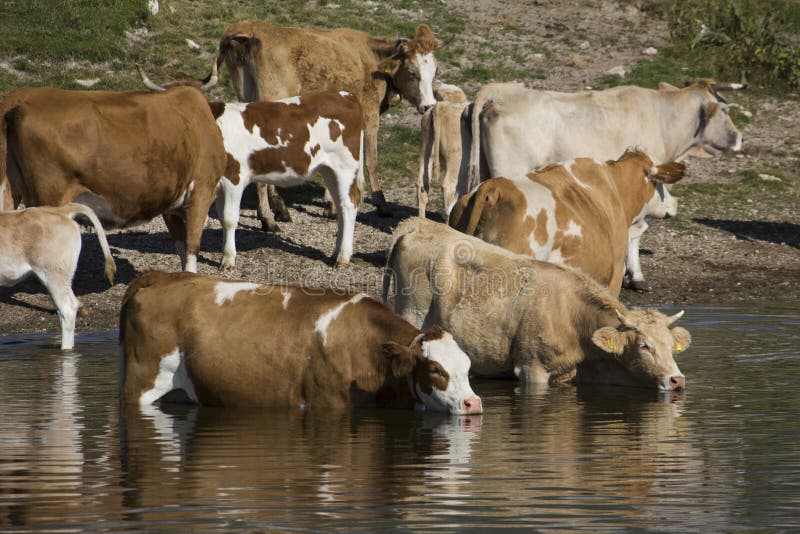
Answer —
236 343
516 130
130 156
270 62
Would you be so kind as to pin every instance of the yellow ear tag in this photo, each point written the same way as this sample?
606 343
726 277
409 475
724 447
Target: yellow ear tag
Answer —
387 69
611 345
678 347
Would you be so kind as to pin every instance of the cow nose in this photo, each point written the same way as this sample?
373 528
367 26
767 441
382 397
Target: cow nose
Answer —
425 107
677 382
472 405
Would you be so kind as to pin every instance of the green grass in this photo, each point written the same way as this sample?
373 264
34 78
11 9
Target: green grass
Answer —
398 155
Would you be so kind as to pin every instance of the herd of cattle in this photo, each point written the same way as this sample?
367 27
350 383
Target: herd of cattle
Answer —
546 194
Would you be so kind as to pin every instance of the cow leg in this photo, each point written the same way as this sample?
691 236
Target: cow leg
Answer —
330 206
633 266
59 284
278 206
177 230
265 214
195 213
346 217
229 198
371 161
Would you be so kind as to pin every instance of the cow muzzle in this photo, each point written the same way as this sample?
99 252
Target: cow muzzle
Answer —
472 405
673 383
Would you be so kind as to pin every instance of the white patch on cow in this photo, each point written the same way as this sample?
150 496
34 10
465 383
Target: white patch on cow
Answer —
182 199
446 352
556 257
286 296
328 317
292 100
225 291
568 167
573 229
171 375
345 93
427 71
539 199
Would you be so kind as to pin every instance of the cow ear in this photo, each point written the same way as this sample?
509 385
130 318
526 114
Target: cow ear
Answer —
609 339
681 337
389 66
669 173
664 86
401 357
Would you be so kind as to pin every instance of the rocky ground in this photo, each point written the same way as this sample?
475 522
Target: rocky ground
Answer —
722 248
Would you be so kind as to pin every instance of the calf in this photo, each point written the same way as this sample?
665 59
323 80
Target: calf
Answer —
234 343
515 316
283 143
445 138
46 242
576 213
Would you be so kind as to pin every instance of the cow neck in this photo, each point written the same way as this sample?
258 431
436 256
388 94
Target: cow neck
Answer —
634 189
682 125
599 310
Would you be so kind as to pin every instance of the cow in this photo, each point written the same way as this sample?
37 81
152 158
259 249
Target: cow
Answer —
46 242
444 139
522 129
269 62
236 343
284 142
519 317
576 213
130 156
447 92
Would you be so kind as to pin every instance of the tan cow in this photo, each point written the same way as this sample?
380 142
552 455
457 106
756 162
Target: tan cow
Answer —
46 242
130 156
236 343
521 130
576 213
516 316
445 139
269 62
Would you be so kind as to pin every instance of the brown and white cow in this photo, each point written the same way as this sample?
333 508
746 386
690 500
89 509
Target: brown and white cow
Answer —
130 156
269 62
284 142
516 316
444 141
46 242
520 130
575 213
313 348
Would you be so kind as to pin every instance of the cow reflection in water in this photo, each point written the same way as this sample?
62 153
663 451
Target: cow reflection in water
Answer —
317 463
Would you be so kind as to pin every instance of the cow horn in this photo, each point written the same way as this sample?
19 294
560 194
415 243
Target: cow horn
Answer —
729 86
624 321
212 79
672 318
147 83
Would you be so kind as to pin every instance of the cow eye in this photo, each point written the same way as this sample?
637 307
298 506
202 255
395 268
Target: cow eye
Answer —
643 345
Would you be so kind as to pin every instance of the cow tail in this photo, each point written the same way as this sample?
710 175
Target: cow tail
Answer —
5 183
404 228
475 150
80 209
479 197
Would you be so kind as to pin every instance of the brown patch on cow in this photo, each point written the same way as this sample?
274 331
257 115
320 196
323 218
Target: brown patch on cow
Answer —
424 42
335 130
429 374
540 234
355 193
232 170
217 109
433 334
671 172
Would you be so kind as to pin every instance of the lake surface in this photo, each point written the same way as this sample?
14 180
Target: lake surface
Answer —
723 456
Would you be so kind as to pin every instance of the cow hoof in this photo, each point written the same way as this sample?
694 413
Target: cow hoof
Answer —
82 312
379 201
227 266
270 226
639 285
283 215
329 212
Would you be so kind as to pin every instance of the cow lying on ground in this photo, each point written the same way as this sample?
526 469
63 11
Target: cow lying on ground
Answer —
46 242
269 62
444 139
284 142
516 316
130 156
235 343
520 130
576 213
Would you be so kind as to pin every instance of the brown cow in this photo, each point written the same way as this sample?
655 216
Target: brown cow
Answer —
130 156
268 62
518 317
236 343
576 213
46 242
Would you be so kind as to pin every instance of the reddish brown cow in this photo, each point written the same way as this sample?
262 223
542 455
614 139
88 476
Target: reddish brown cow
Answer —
130 156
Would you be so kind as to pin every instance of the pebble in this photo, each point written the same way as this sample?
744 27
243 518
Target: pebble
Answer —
88 83
650 51
769 178
618 70
193 45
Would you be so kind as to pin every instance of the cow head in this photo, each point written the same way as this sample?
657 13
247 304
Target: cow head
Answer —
661 204
437 371
203 86
644 344
715 132
412 67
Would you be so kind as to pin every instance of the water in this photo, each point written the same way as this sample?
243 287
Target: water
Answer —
723 456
